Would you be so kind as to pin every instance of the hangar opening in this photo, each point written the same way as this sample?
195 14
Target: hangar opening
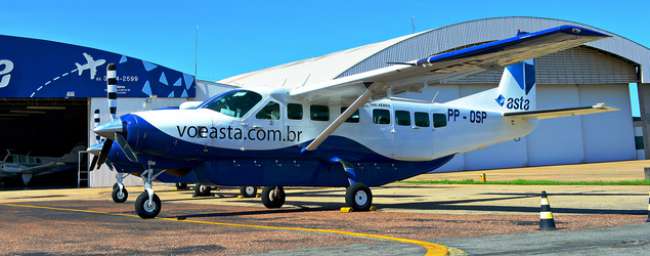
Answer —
37 130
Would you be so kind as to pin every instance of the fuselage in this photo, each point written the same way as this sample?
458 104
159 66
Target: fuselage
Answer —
258 138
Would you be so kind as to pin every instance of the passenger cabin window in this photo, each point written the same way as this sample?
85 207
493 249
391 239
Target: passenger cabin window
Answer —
319 113
271 111
439 120
403 118
421 119
380 116
235 103
354 118
294 111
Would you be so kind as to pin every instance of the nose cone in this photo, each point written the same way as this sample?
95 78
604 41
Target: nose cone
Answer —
107 129
95 148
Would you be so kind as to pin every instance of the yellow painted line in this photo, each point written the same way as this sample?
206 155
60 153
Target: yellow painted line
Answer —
432 249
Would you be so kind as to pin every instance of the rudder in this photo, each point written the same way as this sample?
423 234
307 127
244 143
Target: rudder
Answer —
516 91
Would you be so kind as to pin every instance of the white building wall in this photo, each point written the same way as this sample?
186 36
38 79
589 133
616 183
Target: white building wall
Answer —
608 136
556 141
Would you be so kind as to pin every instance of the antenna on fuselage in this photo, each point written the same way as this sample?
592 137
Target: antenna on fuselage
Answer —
412 24
435 96
196 51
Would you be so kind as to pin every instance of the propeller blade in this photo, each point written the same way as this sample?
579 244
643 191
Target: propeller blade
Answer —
109 164
103 155
93 163
128 152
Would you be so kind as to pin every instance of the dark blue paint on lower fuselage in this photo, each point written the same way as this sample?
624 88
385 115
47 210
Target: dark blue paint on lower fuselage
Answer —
286 166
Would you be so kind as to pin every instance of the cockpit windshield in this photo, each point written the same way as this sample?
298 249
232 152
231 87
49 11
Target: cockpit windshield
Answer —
235 103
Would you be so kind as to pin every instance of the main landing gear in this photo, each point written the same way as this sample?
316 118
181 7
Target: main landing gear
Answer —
181 186
119 193
148 205
358 197
273 197
202 190
248 191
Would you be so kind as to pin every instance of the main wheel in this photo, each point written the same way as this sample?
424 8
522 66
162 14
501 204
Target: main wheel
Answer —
119 196
201 190
181 186
273 197
248 191
358 197
146 209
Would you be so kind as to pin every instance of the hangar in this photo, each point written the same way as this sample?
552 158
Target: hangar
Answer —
597 72
49 92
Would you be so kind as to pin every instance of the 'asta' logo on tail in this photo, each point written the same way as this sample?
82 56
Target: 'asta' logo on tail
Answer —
523 75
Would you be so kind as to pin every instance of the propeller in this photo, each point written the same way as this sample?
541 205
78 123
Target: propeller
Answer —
111 131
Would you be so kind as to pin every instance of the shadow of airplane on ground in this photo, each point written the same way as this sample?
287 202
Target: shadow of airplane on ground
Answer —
450 205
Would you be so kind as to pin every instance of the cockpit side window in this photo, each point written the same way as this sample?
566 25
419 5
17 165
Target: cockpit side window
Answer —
271 112
235 104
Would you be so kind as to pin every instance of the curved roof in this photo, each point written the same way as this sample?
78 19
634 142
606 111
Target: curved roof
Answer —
419 45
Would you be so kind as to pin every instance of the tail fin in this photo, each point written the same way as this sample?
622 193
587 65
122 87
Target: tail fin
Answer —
79 68
516 91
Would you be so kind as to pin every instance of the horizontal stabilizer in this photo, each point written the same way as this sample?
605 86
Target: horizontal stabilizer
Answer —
562 112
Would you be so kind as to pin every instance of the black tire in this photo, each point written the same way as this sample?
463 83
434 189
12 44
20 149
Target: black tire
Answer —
248 191
147 211
119 197
181 186
358 197
202 190
273 197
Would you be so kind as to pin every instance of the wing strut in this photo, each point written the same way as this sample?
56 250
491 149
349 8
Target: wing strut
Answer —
362 99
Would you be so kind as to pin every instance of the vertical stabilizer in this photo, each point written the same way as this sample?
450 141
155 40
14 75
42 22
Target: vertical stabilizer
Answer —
516 91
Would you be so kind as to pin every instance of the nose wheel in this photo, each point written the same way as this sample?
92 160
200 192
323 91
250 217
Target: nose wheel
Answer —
119 193
273 197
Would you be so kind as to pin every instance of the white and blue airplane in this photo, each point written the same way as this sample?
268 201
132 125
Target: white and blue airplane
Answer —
349 132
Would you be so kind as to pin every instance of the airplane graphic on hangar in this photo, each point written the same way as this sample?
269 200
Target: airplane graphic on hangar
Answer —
349 132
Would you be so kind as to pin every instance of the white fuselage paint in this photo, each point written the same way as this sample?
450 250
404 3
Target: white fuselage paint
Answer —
466 128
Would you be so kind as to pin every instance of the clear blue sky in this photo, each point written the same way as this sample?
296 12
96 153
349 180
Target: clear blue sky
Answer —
240 36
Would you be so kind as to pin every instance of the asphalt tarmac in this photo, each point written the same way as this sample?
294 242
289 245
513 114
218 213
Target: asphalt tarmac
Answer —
411 220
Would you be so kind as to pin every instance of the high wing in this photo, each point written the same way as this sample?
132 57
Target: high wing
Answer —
457 63
356 90
89 59
564 112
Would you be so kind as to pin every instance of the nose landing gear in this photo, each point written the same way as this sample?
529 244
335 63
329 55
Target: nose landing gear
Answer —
119 193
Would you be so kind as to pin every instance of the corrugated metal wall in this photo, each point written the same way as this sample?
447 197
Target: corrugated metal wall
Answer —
581 65
476 31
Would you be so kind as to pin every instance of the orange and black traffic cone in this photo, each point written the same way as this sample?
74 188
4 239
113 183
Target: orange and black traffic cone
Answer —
546 221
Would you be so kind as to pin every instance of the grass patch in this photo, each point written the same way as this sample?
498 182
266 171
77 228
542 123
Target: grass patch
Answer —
533 182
